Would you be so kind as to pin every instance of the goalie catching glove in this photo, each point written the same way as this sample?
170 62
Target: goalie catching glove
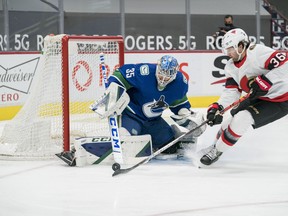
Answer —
114 101
189 120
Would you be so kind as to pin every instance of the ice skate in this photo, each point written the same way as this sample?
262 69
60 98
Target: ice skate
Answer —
211 156
68 157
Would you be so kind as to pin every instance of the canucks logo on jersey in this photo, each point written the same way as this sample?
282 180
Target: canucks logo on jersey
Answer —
155 108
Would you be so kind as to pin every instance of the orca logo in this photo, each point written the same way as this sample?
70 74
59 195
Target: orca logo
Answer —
155 108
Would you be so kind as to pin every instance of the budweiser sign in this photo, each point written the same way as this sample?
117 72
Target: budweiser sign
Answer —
19 77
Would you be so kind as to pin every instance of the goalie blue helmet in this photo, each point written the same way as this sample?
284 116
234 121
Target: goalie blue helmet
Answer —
166 71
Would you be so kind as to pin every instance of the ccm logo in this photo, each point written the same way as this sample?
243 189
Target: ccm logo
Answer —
114 134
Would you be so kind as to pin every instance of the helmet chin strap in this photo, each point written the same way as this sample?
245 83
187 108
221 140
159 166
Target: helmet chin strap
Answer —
240 54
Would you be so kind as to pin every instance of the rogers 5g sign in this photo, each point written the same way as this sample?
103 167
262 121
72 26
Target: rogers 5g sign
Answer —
157 42
169 42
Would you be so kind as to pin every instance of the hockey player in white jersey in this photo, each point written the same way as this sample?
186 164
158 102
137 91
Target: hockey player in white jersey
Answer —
255 69
150 89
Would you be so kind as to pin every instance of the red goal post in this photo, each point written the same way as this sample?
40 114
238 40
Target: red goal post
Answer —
67 81
113 40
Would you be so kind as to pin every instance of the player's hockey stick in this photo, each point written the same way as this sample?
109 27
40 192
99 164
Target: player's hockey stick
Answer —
112 121
117 169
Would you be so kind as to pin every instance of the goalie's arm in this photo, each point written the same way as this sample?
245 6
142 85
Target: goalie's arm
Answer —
118 78
180 104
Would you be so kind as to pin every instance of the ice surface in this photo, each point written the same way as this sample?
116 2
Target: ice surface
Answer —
249 180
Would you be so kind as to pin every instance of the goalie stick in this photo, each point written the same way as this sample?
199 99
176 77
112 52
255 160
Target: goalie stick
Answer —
117 169
112 121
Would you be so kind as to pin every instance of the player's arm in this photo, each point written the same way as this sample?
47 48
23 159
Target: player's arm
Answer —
230 93
270 60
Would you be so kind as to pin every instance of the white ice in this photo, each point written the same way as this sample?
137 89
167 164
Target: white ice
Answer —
249 180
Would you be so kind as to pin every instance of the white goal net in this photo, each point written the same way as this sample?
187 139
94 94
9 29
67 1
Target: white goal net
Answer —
57 110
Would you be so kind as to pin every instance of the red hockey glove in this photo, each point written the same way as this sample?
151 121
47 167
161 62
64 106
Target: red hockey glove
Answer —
259 87
213 114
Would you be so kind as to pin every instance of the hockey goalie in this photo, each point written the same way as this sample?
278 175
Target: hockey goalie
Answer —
138 94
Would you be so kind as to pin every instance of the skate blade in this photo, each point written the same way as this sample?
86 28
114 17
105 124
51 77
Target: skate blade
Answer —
67 161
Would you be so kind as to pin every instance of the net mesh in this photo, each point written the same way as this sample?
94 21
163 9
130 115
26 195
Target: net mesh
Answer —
37 129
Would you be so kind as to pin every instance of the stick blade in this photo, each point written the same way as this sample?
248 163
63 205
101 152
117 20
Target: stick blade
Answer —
123 171
120 171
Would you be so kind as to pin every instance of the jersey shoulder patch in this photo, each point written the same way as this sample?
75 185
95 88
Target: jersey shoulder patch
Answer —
144 70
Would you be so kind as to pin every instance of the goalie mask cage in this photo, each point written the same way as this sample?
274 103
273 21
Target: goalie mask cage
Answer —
67 82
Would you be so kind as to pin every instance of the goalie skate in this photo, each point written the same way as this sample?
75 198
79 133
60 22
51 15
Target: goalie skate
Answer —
68 157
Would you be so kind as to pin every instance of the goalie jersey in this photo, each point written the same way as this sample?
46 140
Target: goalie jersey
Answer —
146 101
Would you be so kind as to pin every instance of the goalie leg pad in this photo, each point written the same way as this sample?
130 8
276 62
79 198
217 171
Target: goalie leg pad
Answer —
98 150
93 150
136 148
